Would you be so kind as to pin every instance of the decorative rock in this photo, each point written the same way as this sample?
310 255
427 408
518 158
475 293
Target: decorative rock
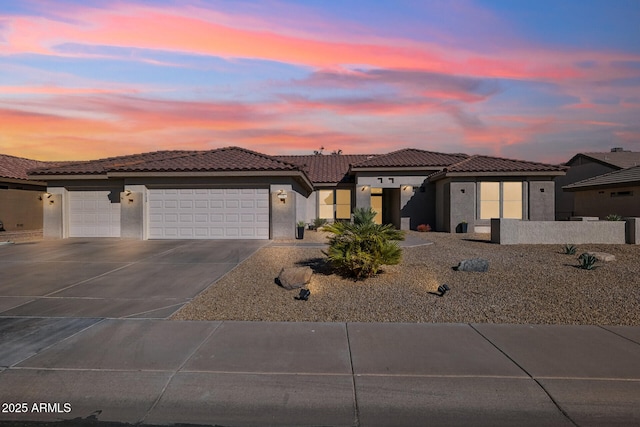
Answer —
473 264
603 256
294 277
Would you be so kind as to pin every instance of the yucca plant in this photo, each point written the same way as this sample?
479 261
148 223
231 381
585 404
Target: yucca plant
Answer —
587 261
613 217
360 248
570 249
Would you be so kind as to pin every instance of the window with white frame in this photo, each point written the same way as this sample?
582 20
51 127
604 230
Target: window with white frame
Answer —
500 200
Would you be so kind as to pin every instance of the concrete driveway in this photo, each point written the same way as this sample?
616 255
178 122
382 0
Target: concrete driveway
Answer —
112 278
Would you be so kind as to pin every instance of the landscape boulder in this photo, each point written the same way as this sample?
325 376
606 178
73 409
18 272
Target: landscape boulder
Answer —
473 264
294 277
603 256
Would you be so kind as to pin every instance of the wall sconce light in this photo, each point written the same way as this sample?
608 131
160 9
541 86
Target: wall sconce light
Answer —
282 195
127 193
364 188
407 188
47 196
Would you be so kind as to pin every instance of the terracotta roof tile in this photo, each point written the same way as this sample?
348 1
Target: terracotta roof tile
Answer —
628 176
16 167
411 157
619 159
221 159
326 168
497 164
101 166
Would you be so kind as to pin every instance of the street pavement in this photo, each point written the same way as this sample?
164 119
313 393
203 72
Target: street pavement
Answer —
162 372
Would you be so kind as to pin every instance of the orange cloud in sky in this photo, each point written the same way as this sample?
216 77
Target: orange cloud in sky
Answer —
172 30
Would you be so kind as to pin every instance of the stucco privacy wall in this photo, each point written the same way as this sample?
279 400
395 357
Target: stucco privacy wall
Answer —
517 232
633 230
20 209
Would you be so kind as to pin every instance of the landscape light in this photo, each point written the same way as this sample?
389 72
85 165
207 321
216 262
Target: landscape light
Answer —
443 289
304 295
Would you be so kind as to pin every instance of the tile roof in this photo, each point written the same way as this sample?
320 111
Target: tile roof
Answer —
618 159
479 163
628 176
221 159
330 168
16 167
411 157
101 166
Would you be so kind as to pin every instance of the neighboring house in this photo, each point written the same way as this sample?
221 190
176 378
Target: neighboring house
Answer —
232 192
20 204
583 166
612 193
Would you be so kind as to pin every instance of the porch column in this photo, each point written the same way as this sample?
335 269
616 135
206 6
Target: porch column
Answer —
363 196
283 212
406 193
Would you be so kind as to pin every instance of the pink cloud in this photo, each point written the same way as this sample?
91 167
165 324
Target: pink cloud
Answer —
174 30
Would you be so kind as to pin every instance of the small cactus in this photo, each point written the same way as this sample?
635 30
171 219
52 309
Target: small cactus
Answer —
570 249
587 261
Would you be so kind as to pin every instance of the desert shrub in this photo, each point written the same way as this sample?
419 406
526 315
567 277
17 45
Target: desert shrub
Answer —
570 249
423 228
587 261
613 217
360 248
319 222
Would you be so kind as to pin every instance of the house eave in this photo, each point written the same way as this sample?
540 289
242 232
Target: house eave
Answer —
214 174
442 175
22 181
430 169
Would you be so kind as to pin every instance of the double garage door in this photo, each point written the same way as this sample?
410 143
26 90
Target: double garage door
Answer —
208 213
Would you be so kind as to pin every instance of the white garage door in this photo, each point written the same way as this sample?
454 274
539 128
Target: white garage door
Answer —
94 213
209 213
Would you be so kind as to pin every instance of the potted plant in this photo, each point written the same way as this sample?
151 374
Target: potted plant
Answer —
462 227
300 230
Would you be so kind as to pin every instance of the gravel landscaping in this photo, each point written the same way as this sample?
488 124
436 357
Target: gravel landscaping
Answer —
535 284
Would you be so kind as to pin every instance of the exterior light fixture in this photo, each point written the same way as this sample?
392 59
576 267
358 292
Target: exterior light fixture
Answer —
304 295
127 193
364 188
407 188
48 195
282 196
443 289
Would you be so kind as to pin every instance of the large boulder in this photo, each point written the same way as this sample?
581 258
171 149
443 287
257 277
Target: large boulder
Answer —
294 277
473 264
603 256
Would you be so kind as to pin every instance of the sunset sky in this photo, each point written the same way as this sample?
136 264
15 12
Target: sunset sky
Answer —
537 80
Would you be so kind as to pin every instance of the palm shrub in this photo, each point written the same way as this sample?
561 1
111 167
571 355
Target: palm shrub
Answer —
361 247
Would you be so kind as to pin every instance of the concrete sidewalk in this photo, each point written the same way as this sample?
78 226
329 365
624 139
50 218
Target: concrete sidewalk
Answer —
308 374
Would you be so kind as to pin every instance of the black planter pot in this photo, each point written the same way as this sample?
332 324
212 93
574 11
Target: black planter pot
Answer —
300 233
462 227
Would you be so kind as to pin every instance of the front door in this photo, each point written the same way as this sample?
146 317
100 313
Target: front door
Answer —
376 204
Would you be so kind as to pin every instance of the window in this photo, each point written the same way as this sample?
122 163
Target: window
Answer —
343 204
500 200
325 204
334 204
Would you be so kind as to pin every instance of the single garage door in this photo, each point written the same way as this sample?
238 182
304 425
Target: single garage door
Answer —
94 213
230 213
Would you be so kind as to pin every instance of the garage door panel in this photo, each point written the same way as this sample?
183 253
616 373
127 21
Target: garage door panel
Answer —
94 214
209 213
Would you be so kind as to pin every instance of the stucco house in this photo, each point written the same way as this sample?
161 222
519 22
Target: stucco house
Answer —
612 193
583 166
20 204
232 192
